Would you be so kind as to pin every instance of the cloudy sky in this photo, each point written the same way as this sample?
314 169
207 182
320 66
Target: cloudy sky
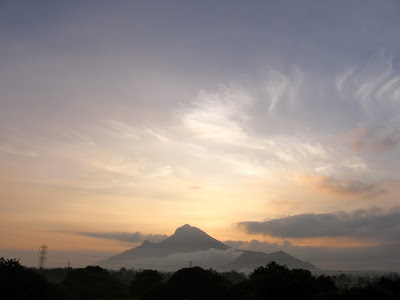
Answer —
274 121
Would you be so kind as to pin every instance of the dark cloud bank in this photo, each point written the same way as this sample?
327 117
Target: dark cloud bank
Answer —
375 223
378 225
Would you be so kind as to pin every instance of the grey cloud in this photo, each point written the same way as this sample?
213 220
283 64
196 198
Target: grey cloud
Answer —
373 138
128 237
351 187
256 245
373 223
389 141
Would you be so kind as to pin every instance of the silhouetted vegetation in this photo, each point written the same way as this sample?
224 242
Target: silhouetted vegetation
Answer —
146 283
196 283
272 281
234 276
275 281
19 282
94 283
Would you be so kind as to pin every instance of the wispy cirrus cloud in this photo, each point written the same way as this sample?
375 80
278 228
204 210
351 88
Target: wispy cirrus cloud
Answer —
135 166
222 120
219 116
76 137
122 129
375 83
11 149
282 89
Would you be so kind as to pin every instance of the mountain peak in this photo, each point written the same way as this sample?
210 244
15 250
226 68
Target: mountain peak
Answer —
192 238
187 232
187 229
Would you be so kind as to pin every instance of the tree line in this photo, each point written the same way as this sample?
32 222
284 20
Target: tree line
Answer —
272 281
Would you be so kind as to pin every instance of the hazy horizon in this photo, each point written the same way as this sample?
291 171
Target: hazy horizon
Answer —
376 259
270 125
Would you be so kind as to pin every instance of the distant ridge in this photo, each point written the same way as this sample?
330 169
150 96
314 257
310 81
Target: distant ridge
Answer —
188 239
251 260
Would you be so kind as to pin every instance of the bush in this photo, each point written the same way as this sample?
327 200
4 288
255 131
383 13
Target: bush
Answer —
94 282
18 282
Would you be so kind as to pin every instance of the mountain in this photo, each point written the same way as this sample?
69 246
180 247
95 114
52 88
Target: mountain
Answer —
249 260
186 239
189 244
189 239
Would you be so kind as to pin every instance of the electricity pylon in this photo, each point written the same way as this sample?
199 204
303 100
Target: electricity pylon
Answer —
42 256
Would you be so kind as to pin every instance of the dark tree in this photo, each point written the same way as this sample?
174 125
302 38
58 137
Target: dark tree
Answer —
196 283
145 284
125 275
234 276
94 282
278 282
392 286
19 282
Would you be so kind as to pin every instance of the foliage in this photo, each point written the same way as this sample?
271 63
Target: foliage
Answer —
125 275
19 282
94 282
275 281
55 275
196 283
145 283
234 276
272 281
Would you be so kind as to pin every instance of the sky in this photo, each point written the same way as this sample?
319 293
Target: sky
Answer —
262 123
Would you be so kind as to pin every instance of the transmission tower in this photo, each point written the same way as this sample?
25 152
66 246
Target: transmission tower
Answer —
42 256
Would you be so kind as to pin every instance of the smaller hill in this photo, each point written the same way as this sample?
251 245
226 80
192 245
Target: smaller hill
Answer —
249 260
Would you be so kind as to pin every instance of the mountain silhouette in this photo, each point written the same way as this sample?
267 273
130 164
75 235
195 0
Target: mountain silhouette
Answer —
188 241
185 239
250 260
